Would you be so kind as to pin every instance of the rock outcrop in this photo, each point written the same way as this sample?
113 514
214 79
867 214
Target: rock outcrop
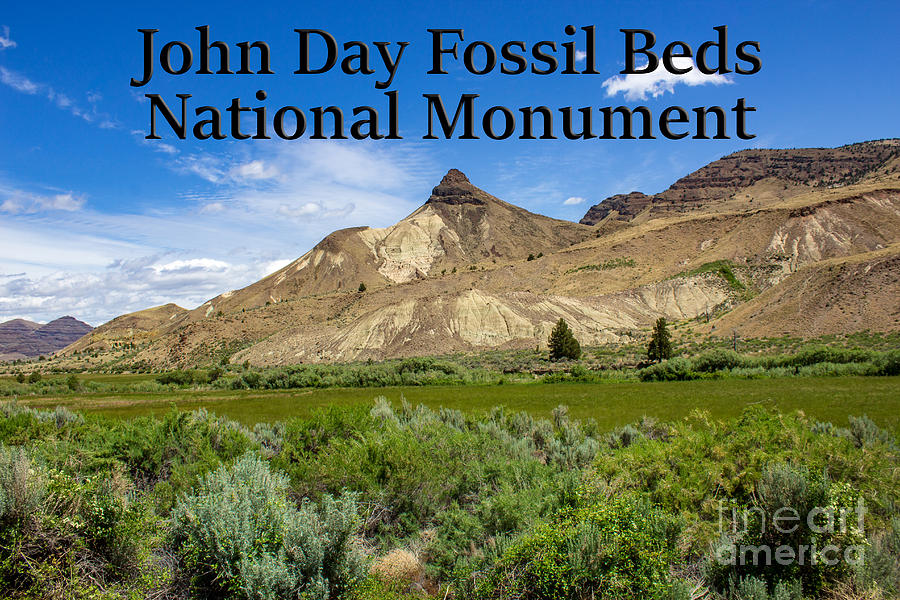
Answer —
795 170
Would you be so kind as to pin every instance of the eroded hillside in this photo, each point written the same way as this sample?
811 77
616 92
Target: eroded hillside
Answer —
749 242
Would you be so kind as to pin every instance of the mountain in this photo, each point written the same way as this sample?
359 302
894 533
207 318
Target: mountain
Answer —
768 242
761 176
458 226
24 339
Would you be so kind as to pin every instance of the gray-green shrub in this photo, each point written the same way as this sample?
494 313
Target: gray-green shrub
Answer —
21 485
240 535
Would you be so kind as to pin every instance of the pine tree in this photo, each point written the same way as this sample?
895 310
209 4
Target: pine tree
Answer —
563 343
362 287
660 347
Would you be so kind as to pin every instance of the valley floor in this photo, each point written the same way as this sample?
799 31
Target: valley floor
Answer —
611 404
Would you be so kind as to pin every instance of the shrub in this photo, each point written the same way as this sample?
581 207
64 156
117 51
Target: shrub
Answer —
399 565
619 548
674 369
703 463
752 588
239 534
72 382
21 486
755 538
67 535
716 360
177 448
889 363
864 433
59 416
827 369
881 568
176 378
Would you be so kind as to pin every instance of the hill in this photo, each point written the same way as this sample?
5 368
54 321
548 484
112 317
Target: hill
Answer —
747 242
21 339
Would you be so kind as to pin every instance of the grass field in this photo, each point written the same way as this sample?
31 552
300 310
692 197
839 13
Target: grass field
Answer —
611 404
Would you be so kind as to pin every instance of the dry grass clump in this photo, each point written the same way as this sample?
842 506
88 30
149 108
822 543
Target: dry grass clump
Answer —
399 565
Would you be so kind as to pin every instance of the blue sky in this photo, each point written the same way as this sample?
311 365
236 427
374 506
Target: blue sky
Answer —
96 221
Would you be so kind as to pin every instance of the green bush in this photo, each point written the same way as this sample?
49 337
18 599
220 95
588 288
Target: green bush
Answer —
177 448
864 433
881 568
70 535
72 382
716 360
674 369
613 549
752 588
192 377
239 535
888 363
754 539
464 479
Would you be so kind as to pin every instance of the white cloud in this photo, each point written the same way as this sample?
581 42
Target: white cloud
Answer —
155 145
23 84
660 81
125 285
580 55
66 202
18 82
314 184
255 169
5 41
207 167
15 201
304 210
193 264
212 207
572 201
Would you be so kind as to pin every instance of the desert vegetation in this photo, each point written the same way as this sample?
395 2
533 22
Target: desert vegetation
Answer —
389 500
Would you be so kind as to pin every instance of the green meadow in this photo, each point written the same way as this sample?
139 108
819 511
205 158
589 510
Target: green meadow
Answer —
611 404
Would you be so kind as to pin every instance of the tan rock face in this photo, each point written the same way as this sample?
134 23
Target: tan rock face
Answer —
474 319
410 248
483 320
812 234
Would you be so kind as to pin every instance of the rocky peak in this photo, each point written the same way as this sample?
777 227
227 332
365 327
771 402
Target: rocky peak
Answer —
455 188
626 205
